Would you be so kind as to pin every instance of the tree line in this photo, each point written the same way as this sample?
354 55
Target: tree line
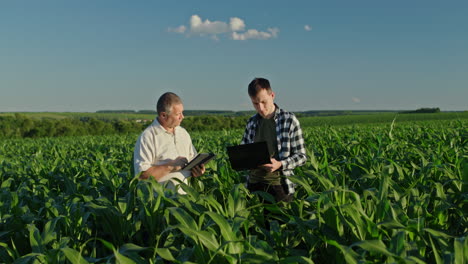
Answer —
186 112
423 111
21 126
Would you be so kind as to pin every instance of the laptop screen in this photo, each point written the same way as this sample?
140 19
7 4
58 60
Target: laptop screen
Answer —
248 156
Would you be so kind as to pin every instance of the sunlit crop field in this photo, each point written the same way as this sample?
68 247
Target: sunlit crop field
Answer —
393 193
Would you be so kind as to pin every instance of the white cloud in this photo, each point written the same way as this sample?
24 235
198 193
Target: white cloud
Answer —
355 100
179 29
255 34
198 26
237 24
213 29
307 28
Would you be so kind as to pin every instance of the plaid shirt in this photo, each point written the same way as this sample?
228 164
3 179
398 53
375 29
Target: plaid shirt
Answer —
291 147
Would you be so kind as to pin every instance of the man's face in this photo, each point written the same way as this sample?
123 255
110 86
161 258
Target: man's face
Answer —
175 117
263 102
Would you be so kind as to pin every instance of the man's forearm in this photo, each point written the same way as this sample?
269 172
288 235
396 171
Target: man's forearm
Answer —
157 172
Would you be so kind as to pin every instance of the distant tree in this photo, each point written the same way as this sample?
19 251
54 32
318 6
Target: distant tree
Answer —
125 126
147 112
116 111
423 110
8 127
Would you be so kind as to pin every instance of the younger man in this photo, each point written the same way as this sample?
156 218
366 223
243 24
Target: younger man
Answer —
282 132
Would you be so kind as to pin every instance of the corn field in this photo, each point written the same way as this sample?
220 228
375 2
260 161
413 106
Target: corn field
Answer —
394 193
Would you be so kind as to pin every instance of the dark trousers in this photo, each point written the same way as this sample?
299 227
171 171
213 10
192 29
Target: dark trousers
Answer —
276 191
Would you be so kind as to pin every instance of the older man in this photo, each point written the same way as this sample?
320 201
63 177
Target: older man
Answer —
164 147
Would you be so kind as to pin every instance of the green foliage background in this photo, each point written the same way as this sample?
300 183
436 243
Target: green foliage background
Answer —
369 193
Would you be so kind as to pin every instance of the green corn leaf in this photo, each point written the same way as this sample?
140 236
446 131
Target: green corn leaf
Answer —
437 234
391 224
228 234
436 253
35 239
301 181
164 253
226 230
296 259
398 243
314 161
206 238
121 259
7 183
11 252
349 254
106 244
461 250
183 217
49 233
131 247
413 259
35 257
374 246
73 256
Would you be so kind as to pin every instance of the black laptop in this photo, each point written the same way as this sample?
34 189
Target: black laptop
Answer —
248 156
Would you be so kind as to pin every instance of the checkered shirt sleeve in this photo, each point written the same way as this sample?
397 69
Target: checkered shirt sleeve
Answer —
291 142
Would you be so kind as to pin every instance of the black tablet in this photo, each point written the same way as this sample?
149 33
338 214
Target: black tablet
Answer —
201 158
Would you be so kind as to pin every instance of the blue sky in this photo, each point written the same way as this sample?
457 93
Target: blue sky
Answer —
83 56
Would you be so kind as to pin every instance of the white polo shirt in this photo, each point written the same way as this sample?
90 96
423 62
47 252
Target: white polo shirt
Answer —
157 146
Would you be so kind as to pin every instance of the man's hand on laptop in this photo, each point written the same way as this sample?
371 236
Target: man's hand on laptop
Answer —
273 166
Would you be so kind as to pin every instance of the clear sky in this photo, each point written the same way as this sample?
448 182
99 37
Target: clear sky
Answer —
88 55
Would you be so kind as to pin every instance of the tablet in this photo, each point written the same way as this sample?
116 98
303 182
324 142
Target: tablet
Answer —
248 156
201 158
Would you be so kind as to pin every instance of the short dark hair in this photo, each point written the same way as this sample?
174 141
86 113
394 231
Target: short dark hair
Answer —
257 85
166 101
